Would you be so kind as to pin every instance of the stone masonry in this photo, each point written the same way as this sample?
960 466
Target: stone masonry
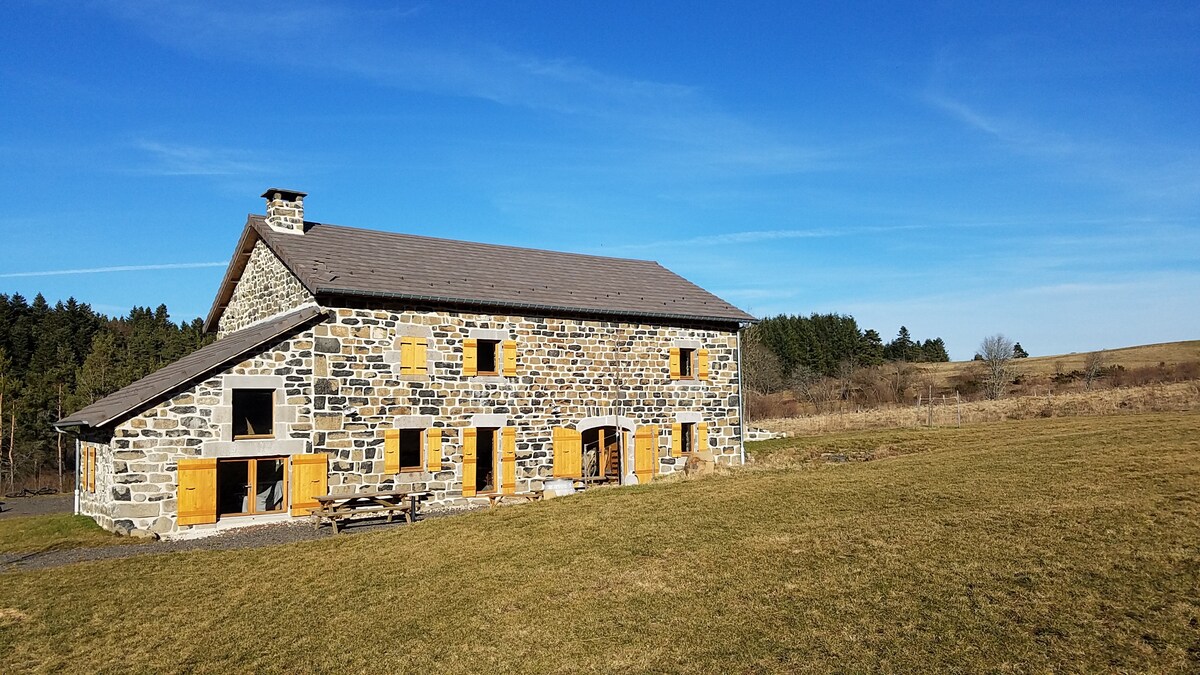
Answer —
266 289
340 389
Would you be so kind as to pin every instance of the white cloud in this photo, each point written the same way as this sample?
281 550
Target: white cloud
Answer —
117 268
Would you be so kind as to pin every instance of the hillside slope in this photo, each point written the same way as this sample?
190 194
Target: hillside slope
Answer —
1044 545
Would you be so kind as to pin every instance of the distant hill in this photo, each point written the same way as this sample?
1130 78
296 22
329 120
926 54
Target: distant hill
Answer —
1142 356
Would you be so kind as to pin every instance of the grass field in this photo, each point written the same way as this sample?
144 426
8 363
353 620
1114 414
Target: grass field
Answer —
1031 546
29 534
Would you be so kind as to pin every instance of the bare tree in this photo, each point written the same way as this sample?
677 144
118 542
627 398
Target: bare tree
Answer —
997 352
761 370
1093 365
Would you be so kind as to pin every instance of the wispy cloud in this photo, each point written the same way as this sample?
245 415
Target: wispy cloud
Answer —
759 236
117 268
189 160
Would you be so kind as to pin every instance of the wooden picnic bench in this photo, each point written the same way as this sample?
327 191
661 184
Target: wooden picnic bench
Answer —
338 507
496 498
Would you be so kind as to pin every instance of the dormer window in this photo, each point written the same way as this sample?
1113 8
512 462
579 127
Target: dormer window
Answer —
253 413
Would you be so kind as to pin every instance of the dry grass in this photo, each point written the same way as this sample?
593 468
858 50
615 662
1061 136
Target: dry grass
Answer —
33 534
1033 546
1142 356
1179 397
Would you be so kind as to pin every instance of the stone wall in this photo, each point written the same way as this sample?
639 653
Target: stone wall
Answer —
340 389
266 289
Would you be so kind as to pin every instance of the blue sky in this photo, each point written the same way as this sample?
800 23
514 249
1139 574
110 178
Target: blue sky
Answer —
1026 168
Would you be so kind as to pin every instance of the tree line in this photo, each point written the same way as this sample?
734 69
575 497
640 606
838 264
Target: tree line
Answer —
57 359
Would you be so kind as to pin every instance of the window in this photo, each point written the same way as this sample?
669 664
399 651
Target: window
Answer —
687 364
253 413
487 357
687 437
410 449
251 486
414 358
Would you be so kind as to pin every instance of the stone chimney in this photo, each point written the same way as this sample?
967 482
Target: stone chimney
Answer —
285 210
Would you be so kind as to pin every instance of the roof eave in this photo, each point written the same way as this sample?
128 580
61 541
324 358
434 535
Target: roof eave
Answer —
532 306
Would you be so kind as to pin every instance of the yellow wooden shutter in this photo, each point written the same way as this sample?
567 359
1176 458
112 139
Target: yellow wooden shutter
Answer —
470 357
468 462
406 355
391 451
420 365
196 499
702 437
92 470
702 364
568 453
310 479
508 459
645 453
510 358
674 363
433 449
677 440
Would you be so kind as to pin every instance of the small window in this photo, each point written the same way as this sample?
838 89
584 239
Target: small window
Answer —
687 437
487 357
410 449
253 413
687 363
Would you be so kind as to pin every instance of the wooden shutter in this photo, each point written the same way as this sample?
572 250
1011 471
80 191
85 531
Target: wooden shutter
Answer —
420 365
196 499
468 462
470 357
510 358
391 451
568 453
92 469
433 449
645 453
406 355
677 440
674 363
310 479
702 437
508 460
702 364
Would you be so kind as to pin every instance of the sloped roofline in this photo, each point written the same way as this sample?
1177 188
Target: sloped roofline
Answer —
195 366
253 232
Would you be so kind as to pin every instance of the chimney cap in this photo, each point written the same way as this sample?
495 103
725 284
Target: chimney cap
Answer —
289 195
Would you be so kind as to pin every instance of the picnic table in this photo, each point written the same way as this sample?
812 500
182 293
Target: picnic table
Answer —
496 497
338 507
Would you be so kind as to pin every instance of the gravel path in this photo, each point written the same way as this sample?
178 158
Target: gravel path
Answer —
247 537
36 506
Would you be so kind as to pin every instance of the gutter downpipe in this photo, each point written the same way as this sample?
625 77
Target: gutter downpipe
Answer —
77 467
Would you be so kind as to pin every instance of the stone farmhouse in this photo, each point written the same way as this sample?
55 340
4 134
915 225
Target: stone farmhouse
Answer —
352 360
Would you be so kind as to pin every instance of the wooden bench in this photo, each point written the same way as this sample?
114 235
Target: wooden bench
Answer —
494 499
339 507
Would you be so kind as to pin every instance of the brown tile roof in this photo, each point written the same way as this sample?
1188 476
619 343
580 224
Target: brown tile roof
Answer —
333 260
188 369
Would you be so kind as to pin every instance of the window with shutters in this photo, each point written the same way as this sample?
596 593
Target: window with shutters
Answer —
689 362
414 355
253 413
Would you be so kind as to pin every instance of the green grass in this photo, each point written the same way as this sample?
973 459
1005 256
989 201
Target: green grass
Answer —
29 534
1031 546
